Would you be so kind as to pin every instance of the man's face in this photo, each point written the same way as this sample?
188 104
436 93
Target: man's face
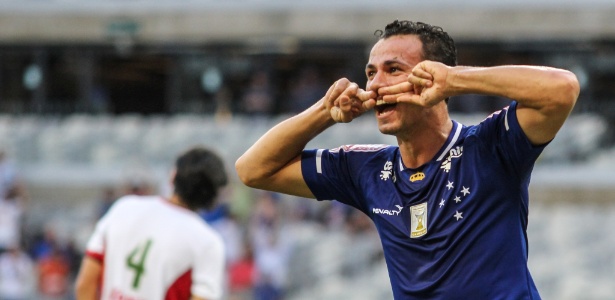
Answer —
390 62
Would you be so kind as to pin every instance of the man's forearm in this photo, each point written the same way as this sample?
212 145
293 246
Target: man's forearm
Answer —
88 279
281 144
546 95
532 86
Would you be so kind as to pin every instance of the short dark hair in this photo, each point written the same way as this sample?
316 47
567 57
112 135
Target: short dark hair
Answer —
199 174
437 44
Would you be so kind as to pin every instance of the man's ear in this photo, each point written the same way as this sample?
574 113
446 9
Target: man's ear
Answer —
172 177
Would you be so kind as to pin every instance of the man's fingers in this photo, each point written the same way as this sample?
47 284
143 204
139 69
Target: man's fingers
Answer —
391 98
338 88
345 103
399 88
345 99
422 73
365 95
418 81
341 114
336 114
405 98
343 93
330 90
368 104
351 90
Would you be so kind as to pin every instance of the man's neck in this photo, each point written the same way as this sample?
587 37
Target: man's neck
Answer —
422 146
177 201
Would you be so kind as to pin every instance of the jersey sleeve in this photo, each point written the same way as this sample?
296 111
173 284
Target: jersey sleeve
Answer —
208 270
95 247
329 175
510 142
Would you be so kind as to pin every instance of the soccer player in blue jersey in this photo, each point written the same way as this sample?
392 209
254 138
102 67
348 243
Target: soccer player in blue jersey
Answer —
450 202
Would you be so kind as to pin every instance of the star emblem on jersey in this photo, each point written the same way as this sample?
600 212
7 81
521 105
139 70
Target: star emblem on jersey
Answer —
386 173
456 197
465 191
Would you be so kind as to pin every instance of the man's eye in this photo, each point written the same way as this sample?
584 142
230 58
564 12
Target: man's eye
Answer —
393 69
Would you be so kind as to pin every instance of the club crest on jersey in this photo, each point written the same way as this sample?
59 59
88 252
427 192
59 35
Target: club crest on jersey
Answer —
418 176
418 220
454 153
387 172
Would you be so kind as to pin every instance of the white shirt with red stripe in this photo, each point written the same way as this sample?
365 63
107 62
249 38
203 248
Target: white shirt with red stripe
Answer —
151 249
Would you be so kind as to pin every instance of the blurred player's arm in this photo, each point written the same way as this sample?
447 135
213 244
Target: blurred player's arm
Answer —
88 279
274 162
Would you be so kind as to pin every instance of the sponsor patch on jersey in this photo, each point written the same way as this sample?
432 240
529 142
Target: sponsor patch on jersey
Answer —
418 220
390 212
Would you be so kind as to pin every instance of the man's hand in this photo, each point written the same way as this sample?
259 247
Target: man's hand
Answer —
426 86
345 101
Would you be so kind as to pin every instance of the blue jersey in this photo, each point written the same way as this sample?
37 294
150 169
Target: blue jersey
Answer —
454 228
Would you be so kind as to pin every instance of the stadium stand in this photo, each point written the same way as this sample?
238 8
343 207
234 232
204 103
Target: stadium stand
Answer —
97 97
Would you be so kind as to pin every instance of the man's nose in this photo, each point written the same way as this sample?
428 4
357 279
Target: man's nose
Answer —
378 81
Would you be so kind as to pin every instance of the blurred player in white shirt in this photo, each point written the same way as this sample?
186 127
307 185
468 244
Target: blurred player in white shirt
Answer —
148 247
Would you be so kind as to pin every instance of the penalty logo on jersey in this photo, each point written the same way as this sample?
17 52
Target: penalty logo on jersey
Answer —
418 220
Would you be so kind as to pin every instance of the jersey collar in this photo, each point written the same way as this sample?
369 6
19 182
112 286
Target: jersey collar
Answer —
452 139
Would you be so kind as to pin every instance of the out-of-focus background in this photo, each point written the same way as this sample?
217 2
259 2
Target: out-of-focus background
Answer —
98 97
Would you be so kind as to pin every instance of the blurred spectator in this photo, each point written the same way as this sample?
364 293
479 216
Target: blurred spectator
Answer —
107 199
259 98
336 215
44 243
272 248
73 257
222 220
473 104
223 99
8 173
361 236
137 186
306 89
241 275
99 99
17 274
54 275
12 208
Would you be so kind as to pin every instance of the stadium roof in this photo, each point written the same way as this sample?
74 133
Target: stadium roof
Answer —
154 21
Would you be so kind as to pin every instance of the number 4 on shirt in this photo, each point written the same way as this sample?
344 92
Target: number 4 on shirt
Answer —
136 261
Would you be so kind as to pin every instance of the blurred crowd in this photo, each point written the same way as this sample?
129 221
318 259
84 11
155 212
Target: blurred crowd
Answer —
268 238
268 93
34 262
271 247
